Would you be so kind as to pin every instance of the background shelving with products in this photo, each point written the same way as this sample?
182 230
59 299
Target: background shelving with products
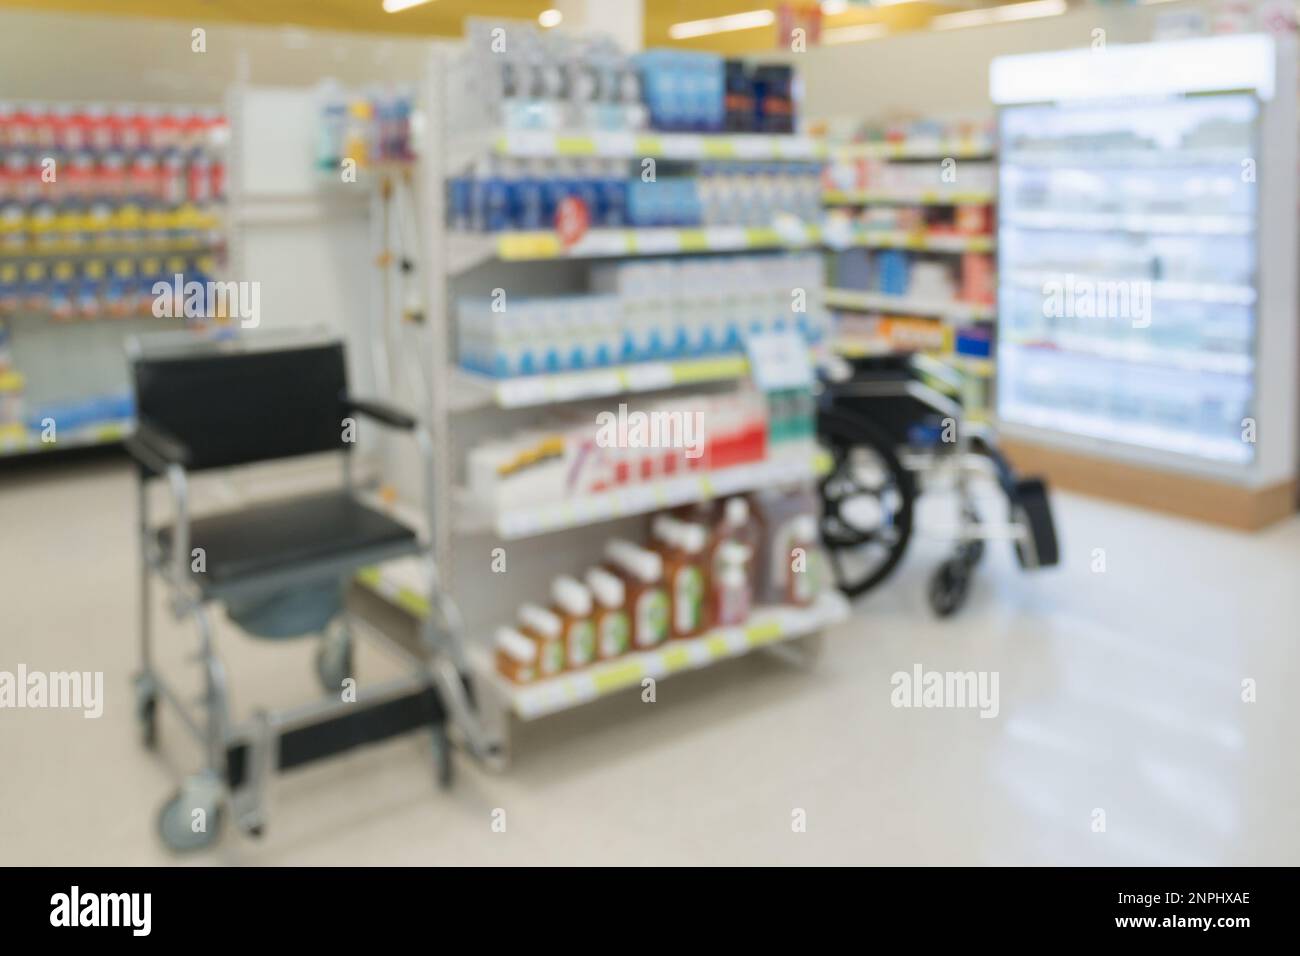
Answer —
97 204
910 223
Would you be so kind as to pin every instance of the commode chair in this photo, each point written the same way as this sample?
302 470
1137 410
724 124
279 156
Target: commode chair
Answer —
279 568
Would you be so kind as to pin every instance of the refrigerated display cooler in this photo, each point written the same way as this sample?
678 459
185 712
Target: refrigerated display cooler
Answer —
1147 312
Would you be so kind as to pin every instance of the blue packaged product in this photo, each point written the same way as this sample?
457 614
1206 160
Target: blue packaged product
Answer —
460 189
526 200
496 202
613 204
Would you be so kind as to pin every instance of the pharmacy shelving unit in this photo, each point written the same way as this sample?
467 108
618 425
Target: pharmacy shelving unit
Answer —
1147 293
461 406
952 314
64 368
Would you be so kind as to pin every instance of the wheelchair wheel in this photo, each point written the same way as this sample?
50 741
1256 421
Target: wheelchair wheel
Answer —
867 502
949 586
1032 510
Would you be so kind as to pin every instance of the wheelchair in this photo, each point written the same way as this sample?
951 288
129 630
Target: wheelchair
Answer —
280 569
893 425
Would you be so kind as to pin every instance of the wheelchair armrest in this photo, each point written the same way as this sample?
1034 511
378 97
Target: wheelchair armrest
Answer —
381 412
156 449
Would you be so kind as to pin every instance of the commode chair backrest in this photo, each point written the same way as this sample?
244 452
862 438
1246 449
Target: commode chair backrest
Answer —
235 403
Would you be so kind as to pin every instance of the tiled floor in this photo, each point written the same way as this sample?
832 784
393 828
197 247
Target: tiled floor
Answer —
1119 691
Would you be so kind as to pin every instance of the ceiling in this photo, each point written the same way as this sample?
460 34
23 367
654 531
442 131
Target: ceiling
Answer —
445 17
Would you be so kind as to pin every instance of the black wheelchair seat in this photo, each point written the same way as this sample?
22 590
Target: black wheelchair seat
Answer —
259 547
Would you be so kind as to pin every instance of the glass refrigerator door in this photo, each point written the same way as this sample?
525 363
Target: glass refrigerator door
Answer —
1126 275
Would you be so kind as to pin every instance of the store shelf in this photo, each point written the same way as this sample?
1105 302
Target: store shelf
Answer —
625 144
468 249
862 348
966 148
143 247
870 348
99 433
882 302
1137 353
766 626
474 517
920 241
836 197
1128 158
970 364
1219 293
473 390
1140 434
1155 223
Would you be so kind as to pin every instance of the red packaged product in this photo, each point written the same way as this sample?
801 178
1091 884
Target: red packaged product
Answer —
199 179
145 177
22 132
99 128
126 133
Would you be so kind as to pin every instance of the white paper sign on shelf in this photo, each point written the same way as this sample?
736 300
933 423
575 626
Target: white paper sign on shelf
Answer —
779 360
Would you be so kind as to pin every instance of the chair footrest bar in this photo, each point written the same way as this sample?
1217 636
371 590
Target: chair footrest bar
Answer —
353 727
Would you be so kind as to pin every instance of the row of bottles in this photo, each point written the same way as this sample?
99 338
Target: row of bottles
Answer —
703 568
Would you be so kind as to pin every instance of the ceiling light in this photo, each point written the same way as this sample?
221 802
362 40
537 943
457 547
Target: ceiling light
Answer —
397 6
550 18
736 21
854 34
986 15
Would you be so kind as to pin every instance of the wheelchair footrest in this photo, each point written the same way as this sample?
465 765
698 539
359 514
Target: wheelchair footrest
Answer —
350 728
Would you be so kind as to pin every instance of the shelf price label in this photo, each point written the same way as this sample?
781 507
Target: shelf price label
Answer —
779 361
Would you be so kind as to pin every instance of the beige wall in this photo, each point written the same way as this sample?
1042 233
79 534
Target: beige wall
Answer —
946 73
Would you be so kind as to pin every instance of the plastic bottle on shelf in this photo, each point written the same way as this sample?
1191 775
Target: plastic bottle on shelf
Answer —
731 588
779 511
664 530
642 573
334 116
544 628
735 524
573 605
613 630
516 656
686 575
806 578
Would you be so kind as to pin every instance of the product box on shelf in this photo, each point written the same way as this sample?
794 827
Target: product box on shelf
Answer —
583 455
645 310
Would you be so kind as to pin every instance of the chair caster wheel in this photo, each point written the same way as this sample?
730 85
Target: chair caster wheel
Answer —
972 552
191 820
442 766
949 587
146 710
334 661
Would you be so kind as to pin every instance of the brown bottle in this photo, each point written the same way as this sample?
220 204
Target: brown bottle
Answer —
646 600
613 629
516 656
686 577
573 606
544 629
